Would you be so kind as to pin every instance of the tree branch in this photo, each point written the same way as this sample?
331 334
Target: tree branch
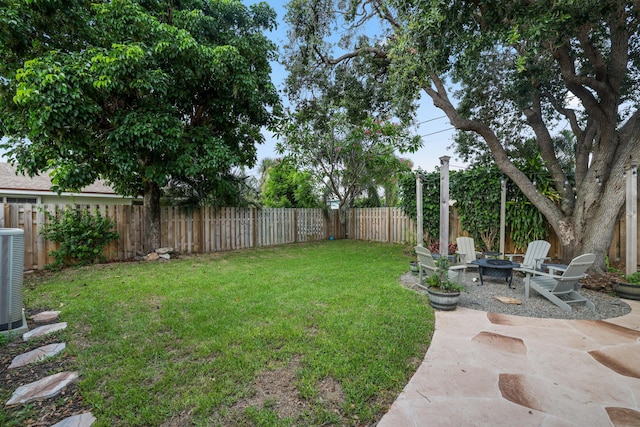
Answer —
380 53
383 12
569 113
438 94
595 58
547 151
576 84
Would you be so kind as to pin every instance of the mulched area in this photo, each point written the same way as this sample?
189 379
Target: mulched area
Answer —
601 282
39 413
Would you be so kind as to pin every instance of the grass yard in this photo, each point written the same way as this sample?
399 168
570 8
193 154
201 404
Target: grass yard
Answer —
305 334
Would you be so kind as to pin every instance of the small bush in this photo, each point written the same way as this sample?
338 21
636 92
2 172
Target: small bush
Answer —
434 248
633 278
82 236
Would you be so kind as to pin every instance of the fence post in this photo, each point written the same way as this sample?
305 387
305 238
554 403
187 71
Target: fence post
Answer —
503 215
420 230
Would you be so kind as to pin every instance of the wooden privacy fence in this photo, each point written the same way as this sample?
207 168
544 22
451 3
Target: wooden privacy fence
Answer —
222 229
380 225
184 230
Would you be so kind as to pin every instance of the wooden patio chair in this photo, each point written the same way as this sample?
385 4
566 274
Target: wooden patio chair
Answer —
561 290
534 256
467 251
427 264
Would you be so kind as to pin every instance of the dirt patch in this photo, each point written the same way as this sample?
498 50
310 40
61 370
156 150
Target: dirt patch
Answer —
275 389
331 394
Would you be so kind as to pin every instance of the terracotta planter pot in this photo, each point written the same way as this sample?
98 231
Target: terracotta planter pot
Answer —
446 301
627 290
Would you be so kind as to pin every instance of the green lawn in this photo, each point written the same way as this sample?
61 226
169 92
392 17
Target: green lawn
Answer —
326 326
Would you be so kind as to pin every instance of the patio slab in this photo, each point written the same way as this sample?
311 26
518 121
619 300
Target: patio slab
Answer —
493 369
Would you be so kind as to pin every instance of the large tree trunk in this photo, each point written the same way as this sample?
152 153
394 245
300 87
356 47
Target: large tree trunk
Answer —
151 216
585 221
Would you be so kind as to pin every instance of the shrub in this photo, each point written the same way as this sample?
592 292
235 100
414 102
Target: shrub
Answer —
434 248
82 236
633 278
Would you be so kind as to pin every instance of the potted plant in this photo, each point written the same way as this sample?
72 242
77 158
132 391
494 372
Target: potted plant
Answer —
413 265
629 287
444 293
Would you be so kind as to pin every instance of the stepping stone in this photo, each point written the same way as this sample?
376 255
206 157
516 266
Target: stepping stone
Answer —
42 389
44 330
45 316
82 420
37 355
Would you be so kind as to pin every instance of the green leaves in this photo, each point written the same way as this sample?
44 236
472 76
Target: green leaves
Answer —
348 156
477 195
82 236
136 91
287 187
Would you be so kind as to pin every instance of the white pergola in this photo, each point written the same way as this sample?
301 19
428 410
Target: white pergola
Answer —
631 204
444 207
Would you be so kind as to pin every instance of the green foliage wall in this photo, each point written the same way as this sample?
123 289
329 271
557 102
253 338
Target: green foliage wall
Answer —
430 199
476 193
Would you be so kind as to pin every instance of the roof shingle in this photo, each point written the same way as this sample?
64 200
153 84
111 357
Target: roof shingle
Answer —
9 180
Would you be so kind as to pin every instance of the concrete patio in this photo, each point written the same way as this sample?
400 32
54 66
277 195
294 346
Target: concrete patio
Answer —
486 369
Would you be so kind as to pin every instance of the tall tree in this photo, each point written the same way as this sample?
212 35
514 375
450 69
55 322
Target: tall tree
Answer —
233 188
263 171
507 71
341 129
135 92
346 157
287 187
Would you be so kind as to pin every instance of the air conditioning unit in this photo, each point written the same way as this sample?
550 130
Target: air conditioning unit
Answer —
12 317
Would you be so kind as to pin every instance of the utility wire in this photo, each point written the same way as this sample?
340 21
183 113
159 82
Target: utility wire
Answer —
439 131
430 120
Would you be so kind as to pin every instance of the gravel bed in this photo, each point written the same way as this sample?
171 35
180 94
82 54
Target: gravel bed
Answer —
483 298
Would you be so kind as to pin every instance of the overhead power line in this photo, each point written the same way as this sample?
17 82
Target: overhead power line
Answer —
439 131
430 120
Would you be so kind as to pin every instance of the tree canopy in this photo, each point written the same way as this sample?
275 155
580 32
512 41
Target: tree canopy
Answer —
288 187
135 92
506 72
347 157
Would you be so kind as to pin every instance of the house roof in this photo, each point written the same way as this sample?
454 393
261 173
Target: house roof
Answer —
10 181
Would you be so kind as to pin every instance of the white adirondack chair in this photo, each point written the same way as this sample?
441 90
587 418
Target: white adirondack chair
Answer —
534 256
553 287
427 265
467 251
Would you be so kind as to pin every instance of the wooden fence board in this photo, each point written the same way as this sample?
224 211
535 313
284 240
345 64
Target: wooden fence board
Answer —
221 229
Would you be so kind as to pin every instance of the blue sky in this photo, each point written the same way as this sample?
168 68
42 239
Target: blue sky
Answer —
435 129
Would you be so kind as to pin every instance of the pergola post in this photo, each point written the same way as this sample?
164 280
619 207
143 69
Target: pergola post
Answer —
444 206
420 232
503 214
631 204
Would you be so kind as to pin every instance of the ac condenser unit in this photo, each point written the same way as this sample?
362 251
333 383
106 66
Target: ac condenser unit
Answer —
11 270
